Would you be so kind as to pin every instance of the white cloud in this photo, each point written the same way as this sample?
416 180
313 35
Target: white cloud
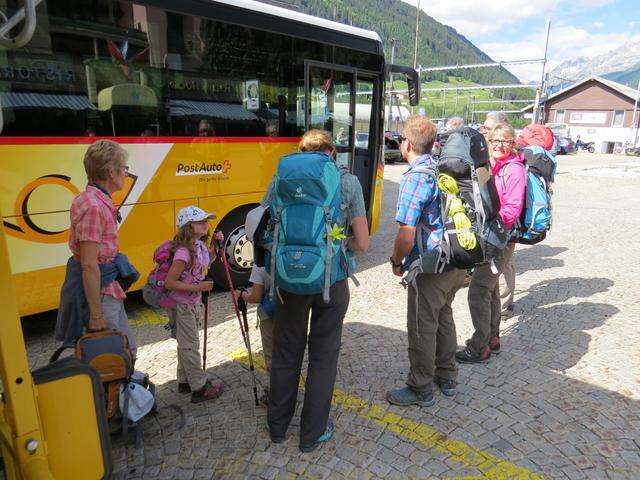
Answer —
516 29
565 42
473 20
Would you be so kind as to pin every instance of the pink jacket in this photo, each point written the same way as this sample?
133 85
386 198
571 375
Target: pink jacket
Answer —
510 186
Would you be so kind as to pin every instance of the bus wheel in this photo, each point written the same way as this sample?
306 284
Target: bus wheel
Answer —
237 248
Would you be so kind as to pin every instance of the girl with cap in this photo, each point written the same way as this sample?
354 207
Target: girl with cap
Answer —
186 281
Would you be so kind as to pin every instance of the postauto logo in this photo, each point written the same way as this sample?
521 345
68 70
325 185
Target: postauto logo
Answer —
203 168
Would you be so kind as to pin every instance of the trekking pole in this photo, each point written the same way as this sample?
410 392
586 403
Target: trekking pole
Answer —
244 328
205 300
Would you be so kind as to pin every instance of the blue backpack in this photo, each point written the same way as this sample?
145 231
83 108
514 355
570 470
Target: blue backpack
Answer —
308 226
536 217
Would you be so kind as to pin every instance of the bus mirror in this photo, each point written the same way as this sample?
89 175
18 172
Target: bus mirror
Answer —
413 81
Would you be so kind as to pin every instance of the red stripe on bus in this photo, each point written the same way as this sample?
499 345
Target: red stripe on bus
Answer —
129 140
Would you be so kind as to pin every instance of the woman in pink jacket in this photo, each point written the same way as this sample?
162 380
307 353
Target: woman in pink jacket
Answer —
507 167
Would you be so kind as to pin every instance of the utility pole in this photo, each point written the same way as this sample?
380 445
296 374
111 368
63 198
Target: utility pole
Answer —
393 56
540 95
634 126
415 47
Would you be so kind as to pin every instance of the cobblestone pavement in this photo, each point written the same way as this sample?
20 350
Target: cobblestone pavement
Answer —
562 400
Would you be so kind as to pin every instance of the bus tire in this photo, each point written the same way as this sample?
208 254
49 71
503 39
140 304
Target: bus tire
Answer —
237 249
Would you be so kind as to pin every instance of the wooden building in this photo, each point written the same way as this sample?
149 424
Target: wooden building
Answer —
599 110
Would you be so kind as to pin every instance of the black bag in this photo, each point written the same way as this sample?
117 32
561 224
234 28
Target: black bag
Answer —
462 148
465 157
541 162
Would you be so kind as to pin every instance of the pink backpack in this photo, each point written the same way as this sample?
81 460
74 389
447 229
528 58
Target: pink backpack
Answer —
154 291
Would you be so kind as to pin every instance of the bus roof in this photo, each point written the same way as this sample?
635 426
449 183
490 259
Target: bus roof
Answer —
276 19
301 17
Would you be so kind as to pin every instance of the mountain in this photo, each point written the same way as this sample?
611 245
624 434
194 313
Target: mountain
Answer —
629 77
621 65
438 44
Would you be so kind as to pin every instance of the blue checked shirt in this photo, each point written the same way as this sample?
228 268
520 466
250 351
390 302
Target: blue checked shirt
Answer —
419 198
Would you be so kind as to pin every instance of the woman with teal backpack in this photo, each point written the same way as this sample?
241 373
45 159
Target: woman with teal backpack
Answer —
321 313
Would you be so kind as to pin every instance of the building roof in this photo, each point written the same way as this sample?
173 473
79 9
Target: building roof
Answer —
620 88
629 92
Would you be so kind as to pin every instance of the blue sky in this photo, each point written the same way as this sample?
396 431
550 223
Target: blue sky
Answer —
515 29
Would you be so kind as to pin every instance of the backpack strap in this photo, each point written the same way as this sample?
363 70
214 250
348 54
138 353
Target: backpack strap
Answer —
421 226
422 230
503 172
328 255
346 221
276 233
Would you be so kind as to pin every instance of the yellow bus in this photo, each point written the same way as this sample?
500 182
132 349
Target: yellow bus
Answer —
206 96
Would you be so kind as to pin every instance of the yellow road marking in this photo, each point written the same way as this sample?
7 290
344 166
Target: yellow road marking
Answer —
490 466
140 316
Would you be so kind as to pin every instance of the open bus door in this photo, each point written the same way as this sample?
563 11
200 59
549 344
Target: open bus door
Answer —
349 103
52 420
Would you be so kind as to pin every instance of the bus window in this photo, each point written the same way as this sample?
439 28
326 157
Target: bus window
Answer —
330 107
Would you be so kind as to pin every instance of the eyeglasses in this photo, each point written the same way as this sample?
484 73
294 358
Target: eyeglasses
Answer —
503 143
402 139
483 129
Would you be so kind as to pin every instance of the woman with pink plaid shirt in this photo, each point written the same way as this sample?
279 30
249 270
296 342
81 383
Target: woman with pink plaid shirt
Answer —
92 294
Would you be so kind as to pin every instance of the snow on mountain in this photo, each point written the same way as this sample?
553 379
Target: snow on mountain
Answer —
618 60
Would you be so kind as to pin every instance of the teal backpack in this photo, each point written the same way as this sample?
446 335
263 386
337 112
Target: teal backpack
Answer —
307 231
536 217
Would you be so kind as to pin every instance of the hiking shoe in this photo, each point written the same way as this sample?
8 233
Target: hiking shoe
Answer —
328 433
274 438
210 391
184 388
507 312
408 396
494 345
467 355
446 385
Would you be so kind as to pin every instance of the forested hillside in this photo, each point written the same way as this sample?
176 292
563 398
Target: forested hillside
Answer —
438 45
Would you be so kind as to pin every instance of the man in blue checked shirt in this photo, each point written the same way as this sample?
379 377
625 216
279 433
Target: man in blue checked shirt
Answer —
430 326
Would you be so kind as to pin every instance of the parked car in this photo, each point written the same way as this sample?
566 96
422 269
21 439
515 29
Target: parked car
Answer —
392 147
566 145
563 143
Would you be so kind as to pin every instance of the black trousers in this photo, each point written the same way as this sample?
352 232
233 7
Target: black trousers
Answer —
291 320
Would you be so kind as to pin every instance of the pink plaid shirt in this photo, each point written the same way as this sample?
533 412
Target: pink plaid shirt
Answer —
93 219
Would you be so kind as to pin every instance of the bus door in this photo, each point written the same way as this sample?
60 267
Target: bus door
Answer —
341 100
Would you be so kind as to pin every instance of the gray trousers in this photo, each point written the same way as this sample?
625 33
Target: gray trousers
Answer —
266 333
189 368
509 275
324 337
431 329
484 304
116 317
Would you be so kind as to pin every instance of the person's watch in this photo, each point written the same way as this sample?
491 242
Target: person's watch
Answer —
394 264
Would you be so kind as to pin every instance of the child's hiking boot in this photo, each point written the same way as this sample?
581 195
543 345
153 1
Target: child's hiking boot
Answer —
184 388
408 396
210 391
325 437
446 385
468 356
494 345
